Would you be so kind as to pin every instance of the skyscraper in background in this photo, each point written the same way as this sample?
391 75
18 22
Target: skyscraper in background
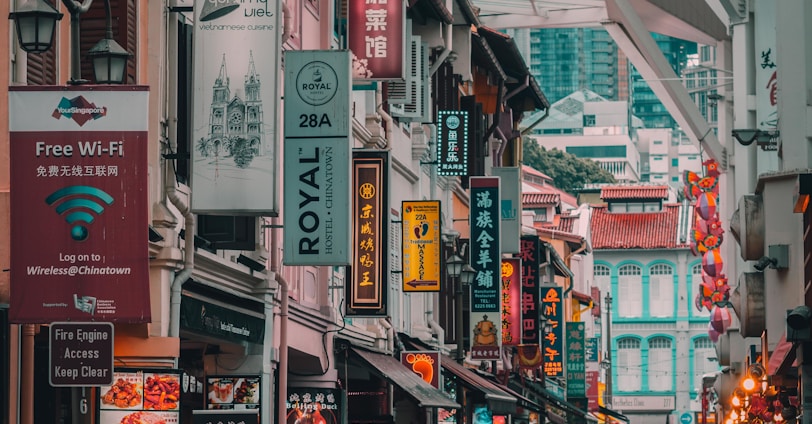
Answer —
565 60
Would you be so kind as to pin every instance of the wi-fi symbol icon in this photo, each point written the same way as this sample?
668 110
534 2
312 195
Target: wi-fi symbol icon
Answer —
77 209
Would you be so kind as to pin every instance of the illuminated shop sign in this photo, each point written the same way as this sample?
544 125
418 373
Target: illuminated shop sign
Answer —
486 304
425 363
452 142
421 246
553 339
530 251
511 302
576 366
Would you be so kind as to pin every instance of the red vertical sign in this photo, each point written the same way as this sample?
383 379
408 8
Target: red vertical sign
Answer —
511 301
79 204
376 38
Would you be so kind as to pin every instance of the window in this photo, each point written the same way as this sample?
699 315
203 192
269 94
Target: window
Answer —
658 142
675 162
661 290
628 365
660 364
704 351
540 215
696 279
602 276
630 291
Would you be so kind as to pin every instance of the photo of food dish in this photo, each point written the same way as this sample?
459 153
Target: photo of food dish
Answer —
161 392
246 390
125 393
142 417
221 390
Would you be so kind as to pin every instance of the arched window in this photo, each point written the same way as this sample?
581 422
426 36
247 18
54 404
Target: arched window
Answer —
630 291
696 280
661 290
704 360
629 370
660 364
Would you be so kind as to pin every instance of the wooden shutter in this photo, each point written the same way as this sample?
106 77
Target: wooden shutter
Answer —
93 24
42 68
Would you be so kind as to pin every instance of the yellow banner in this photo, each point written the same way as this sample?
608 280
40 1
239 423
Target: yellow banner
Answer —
421 246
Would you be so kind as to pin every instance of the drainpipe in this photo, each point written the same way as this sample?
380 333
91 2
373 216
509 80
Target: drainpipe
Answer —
497 115
538 121
282 368
446 51
497 159
286 23
518 89
566 262
188 254
387 119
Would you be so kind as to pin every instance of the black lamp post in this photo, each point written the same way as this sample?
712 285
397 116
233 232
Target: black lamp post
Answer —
36 21
463 274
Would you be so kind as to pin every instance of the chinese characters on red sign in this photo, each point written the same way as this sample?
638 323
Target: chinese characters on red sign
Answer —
376 38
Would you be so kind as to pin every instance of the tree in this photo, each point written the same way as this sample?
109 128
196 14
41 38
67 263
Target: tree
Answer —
568 171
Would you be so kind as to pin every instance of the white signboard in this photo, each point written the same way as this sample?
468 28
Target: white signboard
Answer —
317 165
236 61
510 207
642 403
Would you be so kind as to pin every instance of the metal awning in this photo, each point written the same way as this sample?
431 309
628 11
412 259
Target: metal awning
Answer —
499 401
396 373
612 413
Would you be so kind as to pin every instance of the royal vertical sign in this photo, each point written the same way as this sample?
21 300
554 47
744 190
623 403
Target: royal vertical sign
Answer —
552 309
375 32
317 158
236 99
421 245
79 204
452 143
511 302
367 288
486 259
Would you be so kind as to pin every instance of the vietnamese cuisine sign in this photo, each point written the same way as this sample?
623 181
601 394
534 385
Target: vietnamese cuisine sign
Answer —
317 158
79 204
421 245
235 106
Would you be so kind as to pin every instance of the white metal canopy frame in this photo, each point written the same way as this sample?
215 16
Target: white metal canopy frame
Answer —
630 23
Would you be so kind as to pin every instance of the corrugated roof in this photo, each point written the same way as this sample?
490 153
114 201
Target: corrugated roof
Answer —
531 199
634 192
643 230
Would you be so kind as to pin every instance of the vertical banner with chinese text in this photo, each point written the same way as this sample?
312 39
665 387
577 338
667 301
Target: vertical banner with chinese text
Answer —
79 204
421 245
530 351
553 339
235 130
452 142
375 32
510 208
511 301
317 158
576 365
367 288
486 260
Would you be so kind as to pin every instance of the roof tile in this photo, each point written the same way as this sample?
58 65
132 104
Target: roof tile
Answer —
643 230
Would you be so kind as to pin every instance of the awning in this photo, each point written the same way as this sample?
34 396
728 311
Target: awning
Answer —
782 358
396 373
612 413
555 401
499 401
522 400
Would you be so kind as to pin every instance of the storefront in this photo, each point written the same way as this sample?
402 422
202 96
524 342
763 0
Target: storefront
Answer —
481 397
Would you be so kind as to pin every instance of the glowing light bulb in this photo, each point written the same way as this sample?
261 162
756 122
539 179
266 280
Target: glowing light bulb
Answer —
749 384
735 401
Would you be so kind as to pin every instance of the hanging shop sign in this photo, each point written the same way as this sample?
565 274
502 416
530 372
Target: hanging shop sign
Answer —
312 405
149 396
530 255
510 207
78 189
376 37
317 158
576 365
552 309
511 301
81 354
366 291
425 363
222 416
486 302
452 142
233 392
421 245
235 128
223 321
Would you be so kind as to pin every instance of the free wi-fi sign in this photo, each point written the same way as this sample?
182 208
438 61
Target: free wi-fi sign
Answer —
79 205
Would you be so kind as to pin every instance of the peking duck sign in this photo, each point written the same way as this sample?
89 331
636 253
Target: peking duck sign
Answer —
79 204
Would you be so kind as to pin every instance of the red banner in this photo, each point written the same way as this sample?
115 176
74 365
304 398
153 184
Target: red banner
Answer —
511 302
79 204
376 38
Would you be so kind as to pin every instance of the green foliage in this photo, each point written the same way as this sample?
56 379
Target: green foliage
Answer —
568 171
242 152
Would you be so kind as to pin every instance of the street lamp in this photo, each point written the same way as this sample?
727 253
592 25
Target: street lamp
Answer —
463 274
36 21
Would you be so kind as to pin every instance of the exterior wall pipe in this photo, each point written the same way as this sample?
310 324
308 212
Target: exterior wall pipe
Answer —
387 119
282 367
497 115
446 50
538 121
188 256
287 31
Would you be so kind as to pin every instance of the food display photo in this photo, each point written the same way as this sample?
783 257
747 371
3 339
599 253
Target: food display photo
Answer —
233 392
141 396
246 391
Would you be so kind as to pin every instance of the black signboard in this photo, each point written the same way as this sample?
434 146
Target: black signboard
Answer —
452 142
226 323
235 416
81 354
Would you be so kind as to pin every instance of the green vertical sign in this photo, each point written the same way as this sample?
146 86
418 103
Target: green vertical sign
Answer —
576 368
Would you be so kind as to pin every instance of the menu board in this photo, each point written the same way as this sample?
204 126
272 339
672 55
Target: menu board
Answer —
233 392
141 396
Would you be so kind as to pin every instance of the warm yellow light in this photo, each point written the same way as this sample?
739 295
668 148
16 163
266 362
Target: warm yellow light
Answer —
778 417
735 401
729 421
749 384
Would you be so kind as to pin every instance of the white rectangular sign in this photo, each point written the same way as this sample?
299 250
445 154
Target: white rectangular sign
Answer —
236 99
642 403
317 165
510 207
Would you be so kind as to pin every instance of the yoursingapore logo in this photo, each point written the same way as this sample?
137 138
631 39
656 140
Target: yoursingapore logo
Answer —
79 109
